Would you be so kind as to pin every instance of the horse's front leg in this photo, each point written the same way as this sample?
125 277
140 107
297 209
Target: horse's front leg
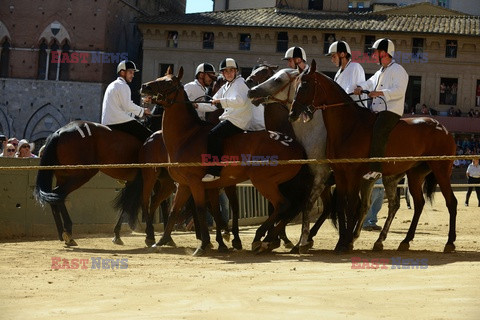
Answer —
198 193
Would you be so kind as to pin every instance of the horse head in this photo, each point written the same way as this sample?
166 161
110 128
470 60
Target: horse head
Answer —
260 74
163 88
279 88
305 95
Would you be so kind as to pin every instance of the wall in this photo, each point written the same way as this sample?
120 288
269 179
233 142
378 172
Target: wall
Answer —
33 109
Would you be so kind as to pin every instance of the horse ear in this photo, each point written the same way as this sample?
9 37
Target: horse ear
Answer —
275 67
169 70
313 67
180 73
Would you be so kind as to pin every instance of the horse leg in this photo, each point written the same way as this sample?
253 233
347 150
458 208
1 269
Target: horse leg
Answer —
366 188
58 220
390 183
415 186
326 197
116 232
198 193
181 197
214 205
233 200
67 225
442 171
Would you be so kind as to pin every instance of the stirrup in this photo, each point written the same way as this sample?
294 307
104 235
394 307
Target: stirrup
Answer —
372 176
210 177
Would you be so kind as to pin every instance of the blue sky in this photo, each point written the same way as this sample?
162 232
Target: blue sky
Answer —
199 6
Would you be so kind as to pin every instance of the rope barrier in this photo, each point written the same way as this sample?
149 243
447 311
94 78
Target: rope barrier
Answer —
240 163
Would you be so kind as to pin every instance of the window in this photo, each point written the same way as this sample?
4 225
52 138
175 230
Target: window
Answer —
282 41
451 49
208 40
448 91
4 59
360 5
443 3
42 61
172 39
417 48
477 100
315 5
163 67
369 41
350 5
64 66
328 40
245 40
52 66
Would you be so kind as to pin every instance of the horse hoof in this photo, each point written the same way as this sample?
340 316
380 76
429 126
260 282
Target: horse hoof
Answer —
223 249
149 242
449 247
226 236
264 248
199 252
404 246
305 248
256 245
341 249
288 244
377 246
166 242
69 240
117 240
295 250
237 244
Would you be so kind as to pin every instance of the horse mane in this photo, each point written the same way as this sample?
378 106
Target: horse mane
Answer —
191 110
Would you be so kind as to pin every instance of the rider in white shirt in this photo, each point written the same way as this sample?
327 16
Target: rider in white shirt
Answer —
387 88
118 109
235 119
296 58
349 73
204 77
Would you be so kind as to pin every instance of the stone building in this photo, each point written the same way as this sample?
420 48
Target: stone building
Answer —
58 56
439 48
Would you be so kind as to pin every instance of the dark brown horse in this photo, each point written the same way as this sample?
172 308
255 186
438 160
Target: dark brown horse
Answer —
349 129
185 138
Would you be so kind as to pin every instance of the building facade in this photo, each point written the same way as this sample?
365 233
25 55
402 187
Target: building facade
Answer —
441 53
56 58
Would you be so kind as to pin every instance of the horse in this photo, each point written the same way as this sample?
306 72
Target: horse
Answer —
276 93
185 137
349 129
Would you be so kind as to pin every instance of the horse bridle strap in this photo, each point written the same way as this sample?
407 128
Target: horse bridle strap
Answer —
271 96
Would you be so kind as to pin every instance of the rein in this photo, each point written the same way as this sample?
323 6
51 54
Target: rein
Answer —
284 101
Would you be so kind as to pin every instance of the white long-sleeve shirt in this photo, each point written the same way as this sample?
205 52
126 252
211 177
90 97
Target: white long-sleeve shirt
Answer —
237 106
349 77
195 90
392 81
118 106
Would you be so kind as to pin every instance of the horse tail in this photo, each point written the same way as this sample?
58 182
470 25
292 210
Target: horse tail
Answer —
297 191
43 187
129 200
430 186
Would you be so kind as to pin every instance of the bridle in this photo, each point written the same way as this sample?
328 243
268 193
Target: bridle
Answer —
272 97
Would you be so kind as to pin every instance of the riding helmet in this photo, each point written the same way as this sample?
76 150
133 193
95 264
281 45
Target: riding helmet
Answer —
339 46
385 45
295 52
228 63
126 65
204 67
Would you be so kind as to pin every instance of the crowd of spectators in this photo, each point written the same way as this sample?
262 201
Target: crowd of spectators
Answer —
467 146
14 148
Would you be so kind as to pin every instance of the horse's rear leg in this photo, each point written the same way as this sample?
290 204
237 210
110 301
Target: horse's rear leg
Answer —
233 200
67 224
116 231
181 197
326 197
58 220
198 193
415 186
442 171
214 205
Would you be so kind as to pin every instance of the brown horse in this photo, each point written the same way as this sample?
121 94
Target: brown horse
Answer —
185 138
349 129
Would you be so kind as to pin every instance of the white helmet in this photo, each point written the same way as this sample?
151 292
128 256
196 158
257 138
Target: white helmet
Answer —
204 67
385 45
295 52
228 63
126 65
339 46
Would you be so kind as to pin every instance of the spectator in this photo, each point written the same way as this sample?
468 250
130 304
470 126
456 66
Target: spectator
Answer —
8 151
471 113
451 112
370 223
425 109
14 141
442 93
458 113
476 114
473 176
25 149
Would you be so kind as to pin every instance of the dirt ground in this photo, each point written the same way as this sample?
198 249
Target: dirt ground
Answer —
171 284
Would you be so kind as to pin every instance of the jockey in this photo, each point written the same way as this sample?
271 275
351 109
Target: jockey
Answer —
349 73
296 58
204 78
387 88
236 118
118 109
